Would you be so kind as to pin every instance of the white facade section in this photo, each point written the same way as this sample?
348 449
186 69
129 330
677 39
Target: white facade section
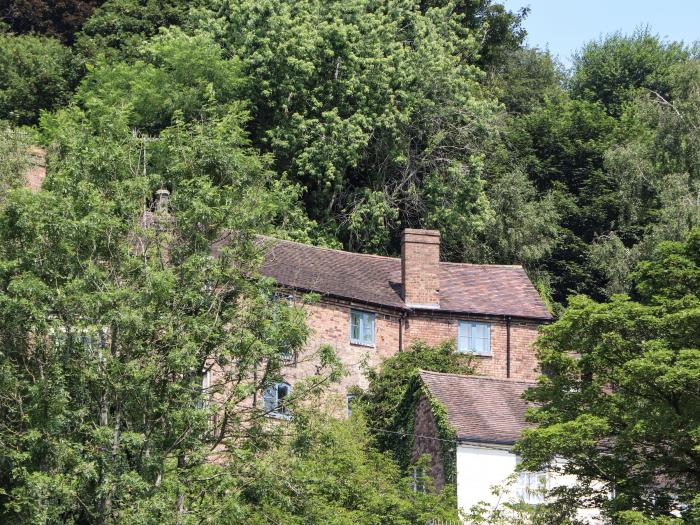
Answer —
479 469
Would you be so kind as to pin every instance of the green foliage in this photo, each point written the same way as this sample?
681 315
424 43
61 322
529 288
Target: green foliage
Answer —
329 472
620 399
174 74
118 28
375 108
110 317
14 158
36 73
389 402
61 20
613 69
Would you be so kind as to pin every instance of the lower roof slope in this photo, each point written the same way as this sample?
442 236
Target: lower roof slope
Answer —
481 409
464 288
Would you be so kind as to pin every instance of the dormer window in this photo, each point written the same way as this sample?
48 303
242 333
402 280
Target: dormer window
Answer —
362 327
474 337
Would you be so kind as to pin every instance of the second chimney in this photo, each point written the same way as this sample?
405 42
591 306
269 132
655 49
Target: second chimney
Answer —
420 268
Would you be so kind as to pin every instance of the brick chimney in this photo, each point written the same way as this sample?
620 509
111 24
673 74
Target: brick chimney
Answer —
420 267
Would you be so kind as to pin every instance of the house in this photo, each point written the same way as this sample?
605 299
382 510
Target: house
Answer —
484 417
372 307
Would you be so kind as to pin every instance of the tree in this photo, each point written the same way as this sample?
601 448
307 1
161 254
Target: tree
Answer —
14 159
388 412
620 401
175 75
327 471
36 73
118 28
375 108
59 19
613 69
111 318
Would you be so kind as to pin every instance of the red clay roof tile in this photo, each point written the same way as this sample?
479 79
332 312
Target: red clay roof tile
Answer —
464 288
481 409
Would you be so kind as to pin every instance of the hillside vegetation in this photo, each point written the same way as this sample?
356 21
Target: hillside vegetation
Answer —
338 123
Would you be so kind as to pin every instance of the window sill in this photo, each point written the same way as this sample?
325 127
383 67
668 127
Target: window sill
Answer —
366 345
276 415
475 354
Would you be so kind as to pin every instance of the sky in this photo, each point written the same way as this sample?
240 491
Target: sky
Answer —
563 26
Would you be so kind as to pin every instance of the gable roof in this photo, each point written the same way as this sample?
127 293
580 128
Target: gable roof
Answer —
481 409
464 288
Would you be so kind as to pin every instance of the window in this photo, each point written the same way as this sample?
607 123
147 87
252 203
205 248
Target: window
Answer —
288 356
418 475
362 327
349 401
474 337
531 487
274 398
203 400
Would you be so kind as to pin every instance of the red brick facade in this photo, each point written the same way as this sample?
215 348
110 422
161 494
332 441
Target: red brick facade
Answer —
420 267
413 298
329 322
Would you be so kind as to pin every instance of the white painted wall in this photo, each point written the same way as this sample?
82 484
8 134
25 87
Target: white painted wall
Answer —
478 470
482 467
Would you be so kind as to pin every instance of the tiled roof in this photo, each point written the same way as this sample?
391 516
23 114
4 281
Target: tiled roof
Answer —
464 288
481 409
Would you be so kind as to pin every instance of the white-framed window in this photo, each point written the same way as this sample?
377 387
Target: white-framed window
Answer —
474 337
531 487
362 327
349 401
418 475
203 401
274 398
93 339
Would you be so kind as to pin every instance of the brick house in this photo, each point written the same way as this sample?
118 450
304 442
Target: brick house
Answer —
486 416
372 307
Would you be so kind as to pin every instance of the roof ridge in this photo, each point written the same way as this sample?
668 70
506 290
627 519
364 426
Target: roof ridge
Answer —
330 249
451 263
475 376
483 264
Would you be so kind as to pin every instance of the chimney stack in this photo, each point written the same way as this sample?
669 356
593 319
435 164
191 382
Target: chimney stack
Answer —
161 200
420 268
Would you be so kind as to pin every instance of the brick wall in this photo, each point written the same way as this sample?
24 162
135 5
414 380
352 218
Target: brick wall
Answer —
433 328
420 266
425 426
329 321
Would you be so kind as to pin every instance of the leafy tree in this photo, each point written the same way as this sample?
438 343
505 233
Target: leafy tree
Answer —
59 19
375 108
14 158
613 69
36 73
561 145
118 28
619 401
526 79
501 31
175 74
329 472
388 416
111 316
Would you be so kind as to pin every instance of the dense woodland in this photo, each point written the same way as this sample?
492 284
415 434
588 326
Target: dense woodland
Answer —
337 123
